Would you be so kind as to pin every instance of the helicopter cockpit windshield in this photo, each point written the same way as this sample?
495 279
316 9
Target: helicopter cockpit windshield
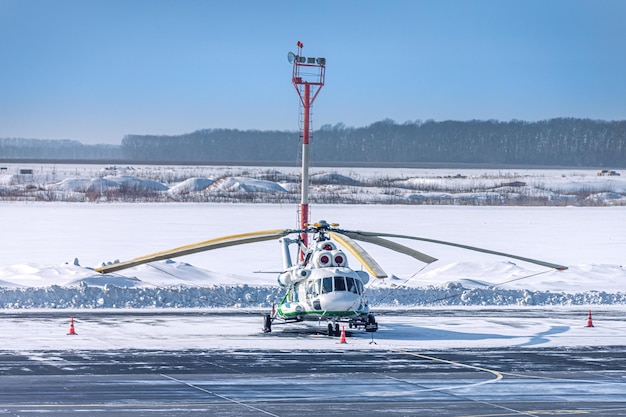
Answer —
327 285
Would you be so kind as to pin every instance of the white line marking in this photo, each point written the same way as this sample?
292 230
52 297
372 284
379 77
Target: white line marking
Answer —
218 395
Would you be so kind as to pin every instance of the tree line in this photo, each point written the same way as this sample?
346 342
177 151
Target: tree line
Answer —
558 142
56 149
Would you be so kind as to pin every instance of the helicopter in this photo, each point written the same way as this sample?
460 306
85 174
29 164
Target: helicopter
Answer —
321 286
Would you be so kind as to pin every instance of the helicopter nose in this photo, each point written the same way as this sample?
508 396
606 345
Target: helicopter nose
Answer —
340 301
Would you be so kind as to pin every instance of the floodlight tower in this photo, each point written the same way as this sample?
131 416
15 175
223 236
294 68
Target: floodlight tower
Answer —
308 79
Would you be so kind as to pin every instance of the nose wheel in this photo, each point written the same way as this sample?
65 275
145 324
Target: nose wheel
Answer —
333 329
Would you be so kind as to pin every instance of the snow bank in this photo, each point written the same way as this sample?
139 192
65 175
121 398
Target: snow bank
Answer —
171 284
121 293
332 178
104 184
246 185
335 185
191 185
6 179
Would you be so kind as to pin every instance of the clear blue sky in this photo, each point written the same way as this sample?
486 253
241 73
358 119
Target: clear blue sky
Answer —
95 70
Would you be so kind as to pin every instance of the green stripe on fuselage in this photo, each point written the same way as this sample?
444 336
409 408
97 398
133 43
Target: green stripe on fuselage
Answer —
320 314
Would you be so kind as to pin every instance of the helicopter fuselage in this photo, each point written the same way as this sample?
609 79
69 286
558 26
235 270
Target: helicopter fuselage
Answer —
322 287
325 293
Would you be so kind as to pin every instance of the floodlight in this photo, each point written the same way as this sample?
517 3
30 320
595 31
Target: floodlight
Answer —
291 57
321 61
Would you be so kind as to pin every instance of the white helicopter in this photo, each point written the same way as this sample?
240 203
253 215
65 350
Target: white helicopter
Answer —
321 286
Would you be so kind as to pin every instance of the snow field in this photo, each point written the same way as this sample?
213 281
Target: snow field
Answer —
43 241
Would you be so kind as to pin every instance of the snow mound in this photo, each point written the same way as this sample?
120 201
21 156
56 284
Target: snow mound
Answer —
103 281
333 178
191 185
607 197
248 185
135 183
82 185
6 179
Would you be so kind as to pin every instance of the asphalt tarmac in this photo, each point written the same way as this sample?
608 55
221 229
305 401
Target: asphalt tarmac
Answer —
460 382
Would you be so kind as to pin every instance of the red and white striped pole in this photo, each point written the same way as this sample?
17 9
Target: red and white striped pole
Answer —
308 79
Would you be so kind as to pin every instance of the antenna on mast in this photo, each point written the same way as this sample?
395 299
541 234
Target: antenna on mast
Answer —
308 79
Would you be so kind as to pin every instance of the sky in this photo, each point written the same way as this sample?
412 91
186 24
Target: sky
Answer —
97 70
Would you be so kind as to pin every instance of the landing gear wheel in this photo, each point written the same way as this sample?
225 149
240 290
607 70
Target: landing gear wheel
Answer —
337 331
331 330
267 323
370 323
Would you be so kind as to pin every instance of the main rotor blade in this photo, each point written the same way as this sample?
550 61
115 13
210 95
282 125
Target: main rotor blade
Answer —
473 248
365 258
220 242
391 245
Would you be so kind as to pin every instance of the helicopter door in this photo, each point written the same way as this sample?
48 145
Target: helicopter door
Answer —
313 290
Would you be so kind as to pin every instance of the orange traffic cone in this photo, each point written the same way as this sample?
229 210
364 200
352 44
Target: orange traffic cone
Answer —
72 331
342 339
589 322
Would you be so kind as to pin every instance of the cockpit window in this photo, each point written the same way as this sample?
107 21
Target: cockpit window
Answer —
327 285
351 286
340 284
359 285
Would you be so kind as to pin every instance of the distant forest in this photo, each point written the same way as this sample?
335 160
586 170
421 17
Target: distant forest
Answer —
554 142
